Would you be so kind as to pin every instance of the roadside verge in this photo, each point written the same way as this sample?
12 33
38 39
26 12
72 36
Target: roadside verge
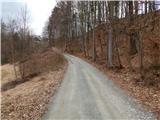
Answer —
29 99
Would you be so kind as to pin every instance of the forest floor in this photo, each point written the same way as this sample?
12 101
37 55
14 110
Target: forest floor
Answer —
29 99
149 96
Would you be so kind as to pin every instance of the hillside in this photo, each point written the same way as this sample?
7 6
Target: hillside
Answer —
145 90
29 99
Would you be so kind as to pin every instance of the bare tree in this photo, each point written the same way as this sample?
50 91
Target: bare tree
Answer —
12 28
24 19
110 30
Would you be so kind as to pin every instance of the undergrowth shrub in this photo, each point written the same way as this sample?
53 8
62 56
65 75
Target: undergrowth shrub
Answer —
44 61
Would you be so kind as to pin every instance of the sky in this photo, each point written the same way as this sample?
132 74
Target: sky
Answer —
39 11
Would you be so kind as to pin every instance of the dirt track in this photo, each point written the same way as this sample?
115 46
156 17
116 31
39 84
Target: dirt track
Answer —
86 93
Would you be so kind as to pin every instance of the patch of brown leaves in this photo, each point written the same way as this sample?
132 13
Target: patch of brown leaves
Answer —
29 100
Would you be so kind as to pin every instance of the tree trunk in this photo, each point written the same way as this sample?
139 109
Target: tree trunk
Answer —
141 55
93 30
110 32
13 57
136 7
146 3
110 64
133 49
100 40
119 60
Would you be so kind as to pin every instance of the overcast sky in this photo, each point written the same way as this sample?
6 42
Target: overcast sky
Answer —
39 11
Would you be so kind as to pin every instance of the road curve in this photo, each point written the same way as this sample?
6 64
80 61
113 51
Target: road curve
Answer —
86 93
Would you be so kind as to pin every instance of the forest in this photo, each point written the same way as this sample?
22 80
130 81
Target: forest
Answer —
108 30
120 38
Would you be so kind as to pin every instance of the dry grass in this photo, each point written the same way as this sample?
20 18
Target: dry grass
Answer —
35 64
29 100
7 73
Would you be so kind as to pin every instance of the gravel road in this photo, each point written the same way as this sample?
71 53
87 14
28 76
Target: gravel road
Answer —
87 94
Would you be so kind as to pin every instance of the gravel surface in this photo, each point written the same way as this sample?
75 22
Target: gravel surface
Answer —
86 93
